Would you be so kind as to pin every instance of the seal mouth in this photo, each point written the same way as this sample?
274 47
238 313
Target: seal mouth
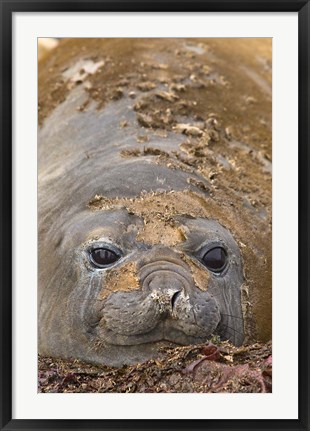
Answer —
161 333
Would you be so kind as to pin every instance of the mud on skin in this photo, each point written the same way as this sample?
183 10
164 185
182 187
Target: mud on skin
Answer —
154 196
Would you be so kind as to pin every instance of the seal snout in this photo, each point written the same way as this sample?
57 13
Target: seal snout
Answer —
167 304
167 280
166 290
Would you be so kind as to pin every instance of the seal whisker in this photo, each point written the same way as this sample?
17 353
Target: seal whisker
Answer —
228 333
85 299
230 315
234 329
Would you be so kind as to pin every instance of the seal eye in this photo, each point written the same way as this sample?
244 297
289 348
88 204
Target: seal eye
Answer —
215 259
103 257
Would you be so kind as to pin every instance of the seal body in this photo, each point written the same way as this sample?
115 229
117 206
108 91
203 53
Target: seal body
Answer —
154 196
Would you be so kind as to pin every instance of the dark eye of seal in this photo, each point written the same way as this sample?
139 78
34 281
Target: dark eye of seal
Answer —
215 259
103 257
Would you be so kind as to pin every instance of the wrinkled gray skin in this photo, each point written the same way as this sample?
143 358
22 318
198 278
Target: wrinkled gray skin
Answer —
78 158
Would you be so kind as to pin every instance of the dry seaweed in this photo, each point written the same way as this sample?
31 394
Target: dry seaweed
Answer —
213 368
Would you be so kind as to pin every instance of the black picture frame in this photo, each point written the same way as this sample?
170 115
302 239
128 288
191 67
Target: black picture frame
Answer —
7 9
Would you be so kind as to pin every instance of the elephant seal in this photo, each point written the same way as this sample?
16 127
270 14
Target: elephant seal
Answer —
154 196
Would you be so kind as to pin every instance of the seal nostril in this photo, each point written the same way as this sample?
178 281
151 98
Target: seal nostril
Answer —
174 298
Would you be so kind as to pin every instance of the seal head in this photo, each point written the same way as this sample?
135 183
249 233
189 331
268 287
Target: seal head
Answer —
126 290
